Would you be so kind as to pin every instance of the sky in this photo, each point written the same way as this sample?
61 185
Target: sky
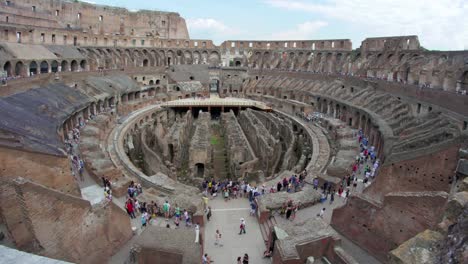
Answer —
439 24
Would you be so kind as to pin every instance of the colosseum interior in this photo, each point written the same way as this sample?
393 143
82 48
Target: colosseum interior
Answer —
100 103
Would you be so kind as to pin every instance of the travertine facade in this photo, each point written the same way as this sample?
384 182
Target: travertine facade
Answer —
64 62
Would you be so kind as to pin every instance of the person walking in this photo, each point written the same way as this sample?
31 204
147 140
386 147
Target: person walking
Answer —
245 260
242 226
206 259
130 209
218 238
322 212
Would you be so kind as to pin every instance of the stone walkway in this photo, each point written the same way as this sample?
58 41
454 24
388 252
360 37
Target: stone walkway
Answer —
360 255
226 218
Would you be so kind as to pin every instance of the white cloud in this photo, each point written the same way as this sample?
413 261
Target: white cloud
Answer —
209 24
209 28
304 30
440 24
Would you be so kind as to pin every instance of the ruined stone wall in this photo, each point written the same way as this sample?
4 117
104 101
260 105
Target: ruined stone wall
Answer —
284 130
38 168
241 156
381 227
432 172
62 226
200 147
95 19
266 147
152 162
179 137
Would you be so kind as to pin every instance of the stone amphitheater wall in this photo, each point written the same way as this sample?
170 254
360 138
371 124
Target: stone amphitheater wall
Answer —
74 234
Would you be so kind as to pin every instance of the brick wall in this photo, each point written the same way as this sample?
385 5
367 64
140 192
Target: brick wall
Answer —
63 226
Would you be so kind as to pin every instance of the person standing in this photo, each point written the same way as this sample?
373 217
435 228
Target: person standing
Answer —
187 218
332 196
279 186
197 233
242 226
205 202
177 212
208 215
289 210
166 207
144 219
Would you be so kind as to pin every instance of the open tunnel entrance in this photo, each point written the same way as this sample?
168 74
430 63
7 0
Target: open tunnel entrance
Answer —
200 170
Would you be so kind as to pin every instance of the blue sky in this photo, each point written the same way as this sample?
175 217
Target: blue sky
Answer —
440 24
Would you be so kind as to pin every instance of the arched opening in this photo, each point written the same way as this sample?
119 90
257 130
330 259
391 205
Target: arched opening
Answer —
92 108
33 68
158 82
464 81
83 65
54 66
19 69
199 170
151 82
169 61
145 63
44 67
171 152
64 66
99 107
7 68
238 63
74 65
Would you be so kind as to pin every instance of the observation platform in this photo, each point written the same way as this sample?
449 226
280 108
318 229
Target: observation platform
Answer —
216 101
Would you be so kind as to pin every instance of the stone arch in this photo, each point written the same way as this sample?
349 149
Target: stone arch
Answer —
155 58
44 67
204 57
54 66
179 56
33 68
99 106
214 58
149 59
19 69
196 57
64 66
74 65
188 57
464 80
83 65
162 57
170 58
151 82
7 68
92 108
